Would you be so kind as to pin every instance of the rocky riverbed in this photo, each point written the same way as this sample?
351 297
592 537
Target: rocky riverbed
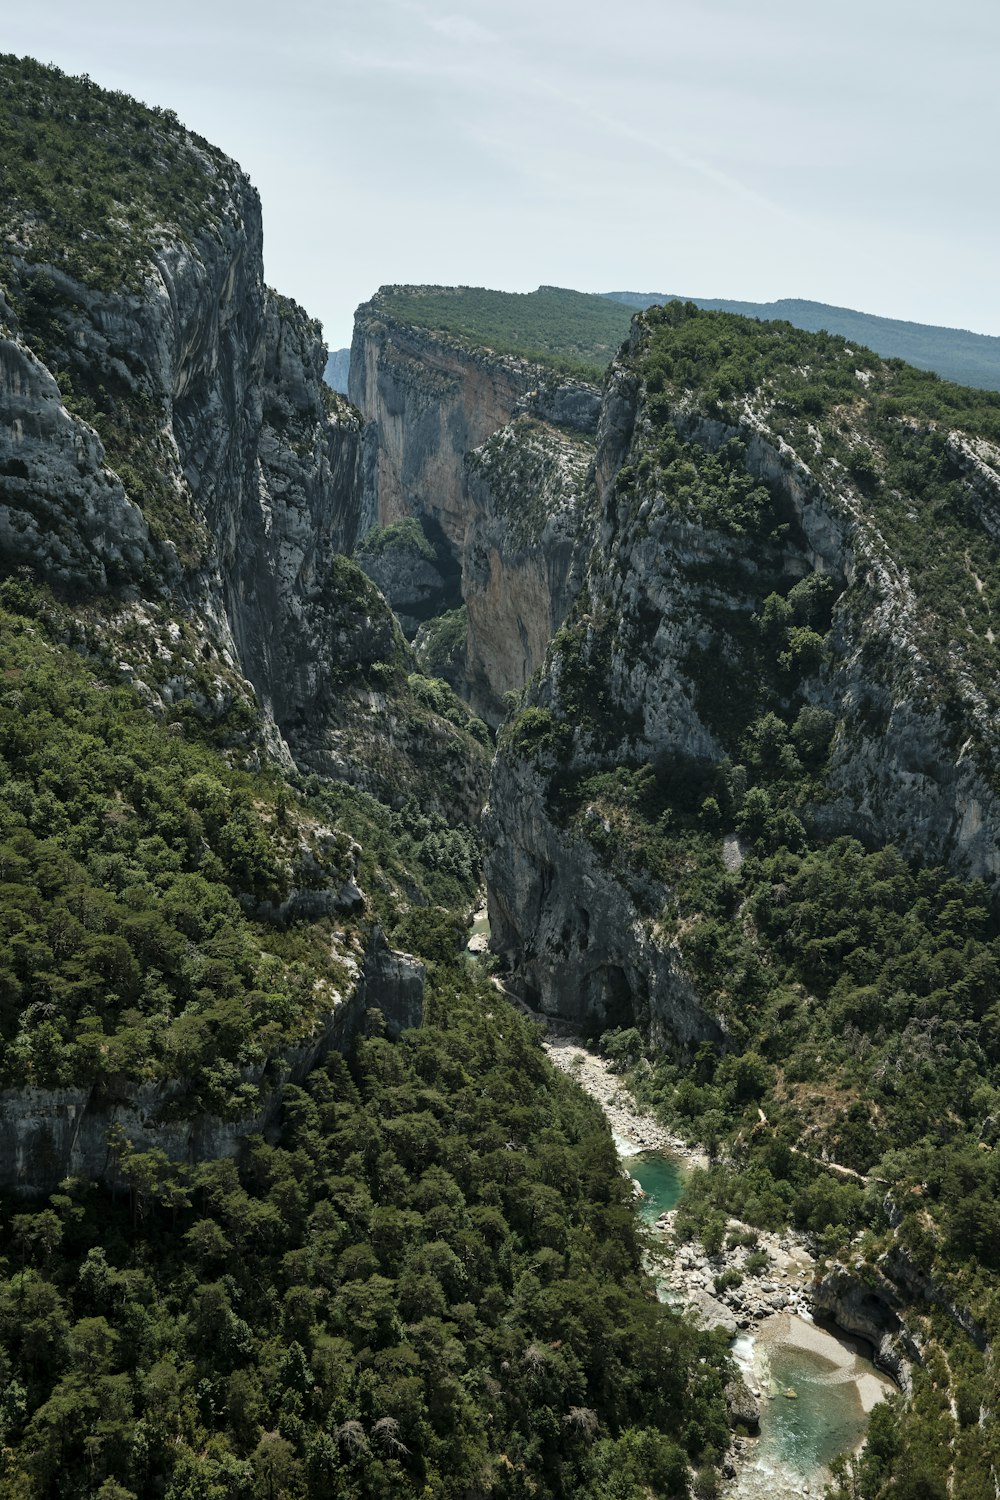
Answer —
752 1276
634 1131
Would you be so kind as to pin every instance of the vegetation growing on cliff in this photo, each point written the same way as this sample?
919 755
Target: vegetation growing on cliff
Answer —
574 333
916 454
400 536
92 177
429 1285
954 353
857 989
533 471
132 860
440 645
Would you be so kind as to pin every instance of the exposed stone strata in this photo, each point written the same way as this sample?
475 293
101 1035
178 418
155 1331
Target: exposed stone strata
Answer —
578 947
527 488
62 510
428 400
491 453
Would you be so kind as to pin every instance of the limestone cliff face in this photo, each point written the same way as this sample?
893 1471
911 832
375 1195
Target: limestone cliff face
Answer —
490 454
227 477
878 1303
299 515
172 461
575 939
427 401
61 508
659 658
527 488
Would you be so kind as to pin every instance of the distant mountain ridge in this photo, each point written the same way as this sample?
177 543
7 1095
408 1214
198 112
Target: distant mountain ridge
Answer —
954 353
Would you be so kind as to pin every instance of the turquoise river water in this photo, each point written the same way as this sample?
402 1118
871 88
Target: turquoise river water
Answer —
800 1433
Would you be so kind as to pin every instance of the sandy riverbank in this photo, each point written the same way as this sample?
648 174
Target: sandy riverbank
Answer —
846 1356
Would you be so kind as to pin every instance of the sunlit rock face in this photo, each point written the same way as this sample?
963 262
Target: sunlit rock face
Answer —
490 454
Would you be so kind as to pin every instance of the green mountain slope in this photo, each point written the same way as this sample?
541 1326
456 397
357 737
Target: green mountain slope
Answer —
574 333
954 353
733 777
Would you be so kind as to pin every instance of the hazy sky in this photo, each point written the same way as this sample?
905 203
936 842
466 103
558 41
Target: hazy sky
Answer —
843 150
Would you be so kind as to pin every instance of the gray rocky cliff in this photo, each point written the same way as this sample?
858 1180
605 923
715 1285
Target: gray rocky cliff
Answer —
62 509
659 656
574 940
418 579
427 401
172 446
886 1303
528 492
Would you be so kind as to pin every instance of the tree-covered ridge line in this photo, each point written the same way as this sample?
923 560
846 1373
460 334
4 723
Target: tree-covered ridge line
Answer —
576 334
93 178
134 861
429 1285
953 353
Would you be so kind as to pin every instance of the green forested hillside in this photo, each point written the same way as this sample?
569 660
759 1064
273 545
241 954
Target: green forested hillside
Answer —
89 175
428 1286
573 333
858 991
954 353
426 1282
569 331
133 856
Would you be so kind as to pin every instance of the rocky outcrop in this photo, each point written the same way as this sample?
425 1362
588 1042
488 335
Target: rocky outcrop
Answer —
62 510
490 454
659 662
48 1135
742 1406
576 944
419 579
870 1306
527 488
